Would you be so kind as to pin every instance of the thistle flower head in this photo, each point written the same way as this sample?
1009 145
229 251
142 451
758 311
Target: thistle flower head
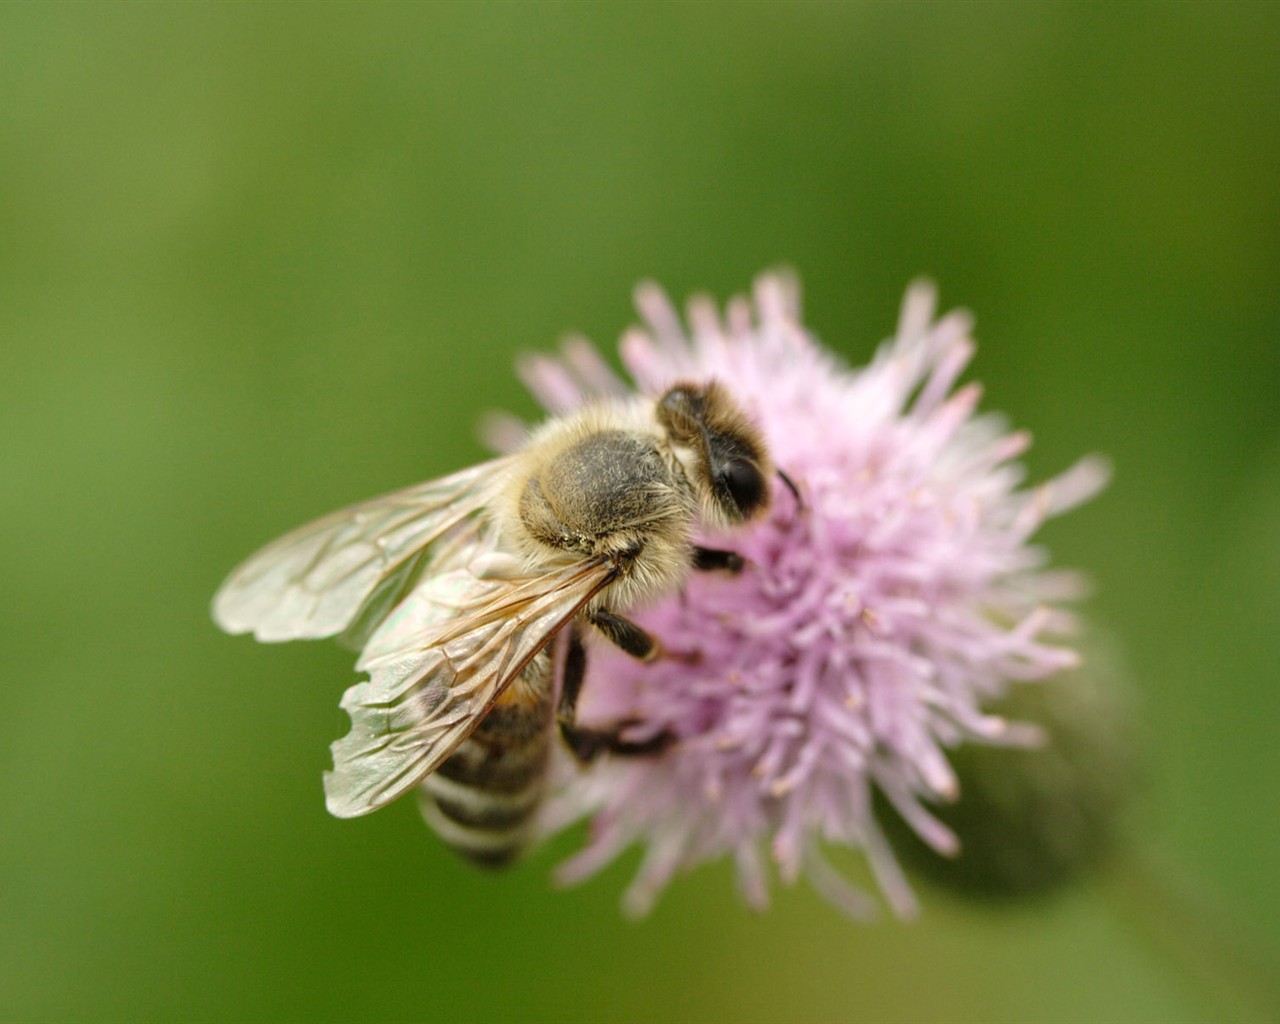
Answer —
876 617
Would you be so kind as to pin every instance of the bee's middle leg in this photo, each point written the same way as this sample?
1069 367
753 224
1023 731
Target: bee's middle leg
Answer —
711 559
586 744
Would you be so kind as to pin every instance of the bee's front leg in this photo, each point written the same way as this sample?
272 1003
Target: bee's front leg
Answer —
631 638
586 744
711 559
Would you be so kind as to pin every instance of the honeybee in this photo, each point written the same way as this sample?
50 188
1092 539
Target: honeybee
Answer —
455 589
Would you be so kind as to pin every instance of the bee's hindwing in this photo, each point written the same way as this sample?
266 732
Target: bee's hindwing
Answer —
437 665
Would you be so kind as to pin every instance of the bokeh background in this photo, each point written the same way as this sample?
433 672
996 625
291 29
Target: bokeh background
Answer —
258 261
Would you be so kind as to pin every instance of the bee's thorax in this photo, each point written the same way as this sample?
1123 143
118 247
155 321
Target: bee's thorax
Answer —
606 485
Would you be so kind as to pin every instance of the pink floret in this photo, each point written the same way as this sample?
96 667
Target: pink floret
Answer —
872 624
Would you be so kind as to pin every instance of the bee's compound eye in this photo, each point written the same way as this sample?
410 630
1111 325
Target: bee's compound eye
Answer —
745 484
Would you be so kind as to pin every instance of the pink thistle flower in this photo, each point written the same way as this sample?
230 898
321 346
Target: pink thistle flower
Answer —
873 622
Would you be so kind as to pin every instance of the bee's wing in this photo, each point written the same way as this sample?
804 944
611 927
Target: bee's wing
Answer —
319 579
433 675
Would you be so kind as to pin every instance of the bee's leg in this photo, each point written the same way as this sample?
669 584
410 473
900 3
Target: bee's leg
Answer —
587 744
625 634
711 559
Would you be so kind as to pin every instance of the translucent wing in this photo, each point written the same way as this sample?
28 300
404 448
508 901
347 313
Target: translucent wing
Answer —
322 578
436 666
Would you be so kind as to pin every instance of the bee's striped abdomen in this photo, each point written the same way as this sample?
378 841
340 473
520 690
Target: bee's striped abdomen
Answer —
481 801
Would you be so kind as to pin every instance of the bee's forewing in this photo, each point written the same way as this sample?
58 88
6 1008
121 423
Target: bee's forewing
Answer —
433 675
315 581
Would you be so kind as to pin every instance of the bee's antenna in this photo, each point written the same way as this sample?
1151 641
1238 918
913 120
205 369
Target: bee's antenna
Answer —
791 486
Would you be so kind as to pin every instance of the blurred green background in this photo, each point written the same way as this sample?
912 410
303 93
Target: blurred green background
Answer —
257 262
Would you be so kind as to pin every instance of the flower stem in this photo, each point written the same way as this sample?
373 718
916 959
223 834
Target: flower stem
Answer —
1235 977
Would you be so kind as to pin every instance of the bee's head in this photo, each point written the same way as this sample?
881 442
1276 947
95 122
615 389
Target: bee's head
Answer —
721 450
